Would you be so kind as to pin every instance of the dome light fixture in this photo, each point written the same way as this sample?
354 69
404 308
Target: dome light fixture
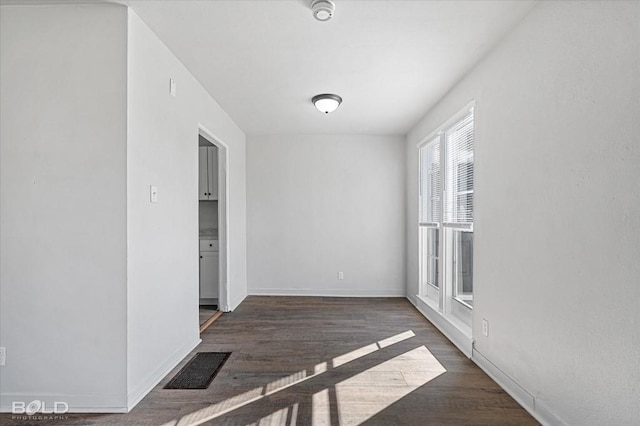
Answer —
326 102
323 9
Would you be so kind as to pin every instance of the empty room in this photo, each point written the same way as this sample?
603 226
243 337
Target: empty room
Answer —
319 212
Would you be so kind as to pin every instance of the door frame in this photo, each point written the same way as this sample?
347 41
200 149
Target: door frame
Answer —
223 215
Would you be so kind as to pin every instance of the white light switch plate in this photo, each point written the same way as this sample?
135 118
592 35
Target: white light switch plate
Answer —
154 193
172 87
3 356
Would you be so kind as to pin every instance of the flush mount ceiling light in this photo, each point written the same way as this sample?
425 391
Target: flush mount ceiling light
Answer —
326 102
322 9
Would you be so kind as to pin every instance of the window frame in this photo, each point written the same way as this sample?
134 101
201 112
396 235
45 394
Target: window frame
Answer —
426 287
446 294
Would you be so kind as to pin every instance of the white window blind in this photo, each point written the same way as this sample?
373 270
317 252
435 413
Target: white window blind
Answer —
458 205
430 183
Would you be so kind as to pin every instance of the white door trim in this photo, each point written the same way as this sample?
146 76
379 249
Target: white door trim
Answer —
223 215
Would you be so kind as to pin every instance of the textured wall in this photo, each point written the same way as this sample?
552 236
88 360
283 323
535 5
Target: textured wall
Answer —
557 207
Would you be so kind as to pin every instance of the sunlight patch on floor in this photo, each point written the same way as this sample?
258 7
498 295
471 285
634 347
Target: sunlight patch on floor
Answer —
395 339
366 350
367 393
283 417
321 408
320 368
285 382
215 410
358 353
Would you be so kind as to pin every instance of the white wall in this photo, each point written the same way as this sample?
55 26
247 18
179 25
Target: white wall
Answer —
99 286
63 205
163 253
557 208
319 204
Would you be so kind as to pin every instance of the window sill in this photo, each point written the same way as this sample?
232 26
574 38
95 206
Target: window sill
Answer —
459 333
464 303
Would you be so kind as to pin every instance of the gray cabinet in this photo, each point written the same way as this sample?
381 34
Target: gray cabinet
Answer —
209 274
208 173
209 269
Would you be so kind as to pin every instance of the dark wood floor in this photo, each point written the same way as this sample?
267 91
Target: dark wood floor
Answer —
315 361
206 312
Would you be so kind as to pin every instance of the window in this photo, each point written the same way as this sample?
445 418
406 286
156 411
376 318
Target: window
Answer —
446 216
458 140
463 266
459 172
430 217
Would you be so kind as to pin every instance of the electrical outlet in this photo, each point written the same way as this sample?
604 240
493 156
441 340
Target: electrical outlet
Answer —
341 275
3 356
485 327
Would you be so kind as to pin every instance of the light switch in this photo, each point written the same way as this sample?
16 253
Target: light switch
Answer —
154 194
172 87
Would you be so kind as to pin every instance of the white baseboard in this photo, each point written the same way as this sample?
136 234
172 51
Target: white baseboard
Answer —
510 386
545 416
540 412
455 334
465 343
413 300
98 403
325 292
102 403
159 373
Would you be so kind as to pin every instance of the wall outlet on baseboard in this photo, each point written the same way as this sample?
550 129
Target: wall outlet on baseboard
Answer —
3 356
485 327
341 275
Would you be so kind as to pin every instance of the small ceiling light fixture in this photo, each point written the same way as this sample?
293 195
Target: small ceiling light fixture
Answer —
326 102
323 9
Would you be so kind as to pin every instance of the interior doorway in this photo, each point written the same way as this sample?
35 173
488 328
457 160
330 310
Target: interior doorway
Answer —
212 228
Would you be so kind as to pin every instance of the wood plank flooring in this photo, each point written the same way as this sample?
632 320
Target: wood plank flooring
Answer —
206 312
209 321
316 361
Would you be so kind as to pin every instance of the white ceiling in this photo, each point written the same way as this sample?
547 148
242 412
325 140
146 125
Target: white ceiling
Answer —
263 60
